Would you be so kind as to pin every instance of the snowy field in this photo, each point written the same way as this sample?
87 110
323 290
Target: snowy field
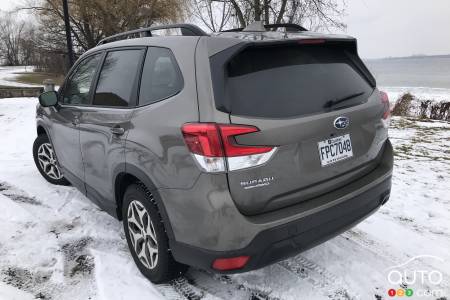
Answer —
56 244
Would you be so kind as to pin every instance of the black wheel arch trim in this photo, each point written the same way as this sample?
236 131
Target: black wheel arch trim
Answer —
41 124
123 169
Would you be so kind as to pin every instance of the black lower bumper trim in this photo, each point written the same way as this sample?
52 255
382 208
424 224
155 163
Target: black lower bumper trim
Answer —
287 240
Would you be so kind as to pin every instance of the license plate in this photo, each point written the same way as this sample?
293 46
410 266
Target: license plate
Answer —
336 149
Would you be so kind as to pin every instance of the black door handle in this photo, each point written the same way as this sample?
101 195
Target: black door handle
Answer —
117 130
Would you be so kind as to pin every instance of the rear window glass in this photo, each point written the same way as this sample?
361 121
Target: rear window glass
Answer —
287 81
117 78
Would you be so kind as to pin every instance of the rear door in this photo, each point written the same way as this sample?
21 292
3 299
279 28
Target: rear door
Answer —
105 123
317 104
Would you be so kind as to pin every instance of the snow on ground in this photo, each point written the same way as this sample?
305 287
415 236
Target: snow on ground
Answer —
56 244
9 74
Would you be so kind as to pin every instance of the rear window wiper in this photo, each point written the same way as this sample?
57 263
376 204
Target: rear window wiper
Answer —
334 102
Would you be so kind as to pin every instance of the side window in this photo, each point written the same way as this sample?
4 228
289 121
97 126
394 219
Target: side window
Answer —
161 77
79 84
117 78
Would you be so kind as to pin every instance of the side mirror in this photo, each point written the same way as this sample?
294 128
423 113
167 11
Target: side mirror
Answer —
49 98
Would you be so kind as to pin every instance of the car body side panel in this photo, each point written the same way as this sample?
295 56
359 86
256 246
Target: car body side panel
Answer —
102 151
155 143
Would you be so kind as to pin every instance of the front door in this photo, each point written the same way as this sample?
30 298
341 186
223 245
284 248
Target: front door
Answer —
105 124
64 133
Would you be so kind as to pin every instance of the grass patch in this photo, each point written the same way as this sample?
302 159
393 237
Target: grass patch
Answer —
38 77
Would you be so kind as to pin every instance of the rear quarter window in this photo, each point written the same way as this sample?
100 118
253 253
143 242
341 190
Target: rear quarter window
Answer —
161 76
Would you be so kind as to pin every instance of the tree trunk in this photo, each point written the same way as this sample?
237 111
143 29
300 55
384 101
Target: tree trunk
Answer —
266 12
257 10
282 11
239 14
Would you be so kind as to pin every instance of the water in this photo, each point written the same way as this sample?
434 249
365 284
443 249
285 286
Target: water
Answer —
432 72
425 77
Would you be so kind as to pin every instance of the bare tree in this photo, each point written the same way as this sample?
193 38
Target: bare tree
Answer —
313 14
28 45
11 32
213 14
92 20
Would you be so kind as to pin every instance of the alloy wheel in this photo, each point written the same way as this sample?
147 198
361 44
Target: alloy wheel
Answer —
47 161
142 234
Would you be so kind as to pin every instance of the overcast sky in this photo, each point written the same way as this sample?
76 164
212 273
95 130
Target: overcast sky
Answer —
389 27
399 27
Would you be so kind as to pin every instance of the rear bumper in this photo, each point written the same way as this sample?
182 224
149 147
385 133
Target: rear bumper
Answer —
279 242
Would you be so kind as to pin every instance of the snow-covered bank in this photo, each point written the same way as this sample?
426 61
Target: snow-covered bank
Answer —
410 106
54 243
420 102
8 76
422 93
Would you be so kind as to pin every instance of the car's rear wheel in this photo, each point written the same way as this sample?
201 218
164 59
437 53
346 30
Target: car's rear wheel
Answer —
46 161
146 236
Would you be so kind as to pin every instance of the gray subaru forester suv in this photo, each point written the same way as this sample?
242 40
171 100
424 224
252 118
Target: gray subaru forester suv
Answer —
226 152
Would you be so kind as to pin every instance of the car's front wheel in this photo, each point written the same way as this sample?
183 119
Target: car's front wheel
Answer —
146 236
46 162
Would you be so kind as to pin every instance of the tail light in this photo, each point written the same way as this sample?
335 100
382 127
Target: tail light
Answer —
233 263
386 118
215 148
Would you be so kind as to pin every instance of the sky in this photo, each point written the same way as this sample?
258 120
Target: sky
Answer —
7 4
388 28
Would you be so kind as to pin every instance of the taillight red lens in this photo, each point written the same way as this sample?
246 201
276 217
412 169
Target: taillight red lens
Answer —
232 149
385 100
203 139
233 263
218 140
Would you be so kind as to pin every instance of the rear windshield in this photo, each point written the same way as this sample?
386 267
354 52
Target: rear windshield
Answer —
287 81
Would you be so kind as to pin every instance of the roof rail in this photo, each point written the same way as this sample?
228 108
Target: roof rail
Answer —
290 27
186 30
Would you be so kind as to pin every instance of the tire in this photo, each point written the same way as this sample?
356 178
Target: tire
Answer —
46 162
141 218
